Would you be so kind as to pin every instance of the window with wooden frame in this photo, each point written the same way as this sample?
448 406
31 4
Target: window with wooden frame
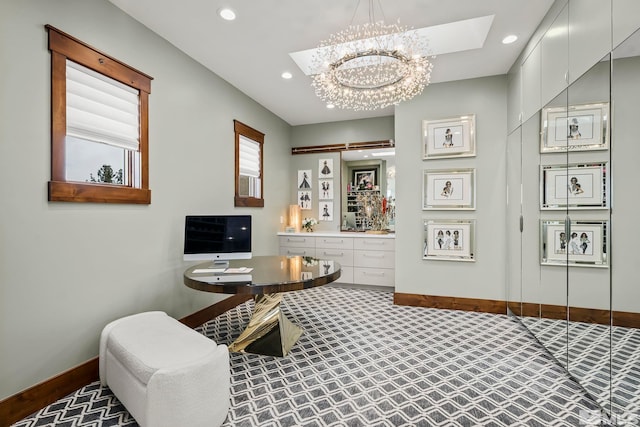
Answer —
248 171
99 126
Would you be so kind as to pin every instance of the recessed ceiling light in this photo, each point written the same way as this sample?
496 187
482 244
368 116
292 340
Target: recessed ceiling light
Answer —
286 75
509 39
330 106
227 14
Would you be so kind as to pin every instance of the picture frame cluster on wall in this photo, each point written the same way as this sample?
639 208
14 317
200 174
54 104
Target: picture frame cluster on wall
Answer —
452 189
576 242
325 189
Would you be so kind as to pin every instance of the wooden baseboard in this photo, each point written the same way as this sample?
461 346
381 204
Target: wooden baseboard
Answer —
16 407
624 319
451 303
203 316
21 405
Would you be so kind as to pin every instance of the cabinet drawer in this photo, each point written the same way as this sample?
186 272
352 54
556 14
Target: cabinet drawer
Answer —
298 241
374 276
344 257
346 275
334 242
373 244
288 251
376 259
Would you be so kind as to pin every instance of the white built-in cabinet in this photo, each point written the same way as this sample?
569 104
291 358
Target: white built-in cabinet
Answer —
554 58
514 99
590 27
531 83
365 259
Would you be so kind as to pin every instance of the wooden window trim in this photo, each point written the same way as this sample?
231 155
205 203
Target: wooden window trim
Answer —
63 47
257 136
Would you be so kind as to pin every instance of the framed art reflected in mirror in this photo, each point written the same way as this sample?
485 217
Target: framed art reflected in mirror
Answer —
582 244
578 186
578 128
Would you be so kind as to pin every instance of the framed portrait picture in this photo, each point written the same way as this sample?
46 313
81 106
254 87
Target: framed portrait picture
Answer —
452 137
325 168
578 128
448 189
325 210
325 189
364 179
304 199
579 186
449 240
582 244
304 179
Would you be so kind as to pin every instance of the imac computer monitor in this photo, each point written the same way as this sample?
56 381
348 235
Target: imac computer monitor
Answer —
218 238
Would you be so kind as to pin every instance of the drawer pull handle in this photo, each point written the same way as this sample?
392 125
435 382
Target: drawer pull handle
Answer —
333 254
289 239
366 273
329 241
367 242
290 252
373 255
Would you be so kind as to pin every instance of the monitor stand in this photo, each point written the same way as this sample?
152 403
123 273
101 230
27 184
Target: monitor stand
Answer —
220 264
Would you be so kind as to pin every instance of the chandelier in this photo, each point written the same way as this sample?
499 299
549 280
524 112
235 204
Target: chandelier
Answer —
371 66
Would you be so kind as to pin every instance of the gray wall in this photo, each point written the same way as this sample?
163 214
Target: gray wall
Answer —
376 129
67 269
485 278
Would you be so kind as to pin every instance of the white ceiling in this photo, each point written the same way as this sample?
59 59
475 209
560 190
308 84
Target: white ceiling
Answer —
254 50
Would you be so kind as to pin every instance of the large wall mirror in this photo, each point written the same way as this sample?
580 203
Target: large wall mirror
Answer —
572 216
366 175
625 230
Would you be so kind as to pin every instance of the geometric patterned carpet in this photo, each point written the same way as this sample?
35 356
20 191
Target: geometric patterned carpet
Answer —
363 361
591 361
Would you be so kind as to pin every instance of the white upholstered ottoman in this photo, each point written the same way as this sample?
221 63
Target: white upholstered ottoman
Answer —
165 373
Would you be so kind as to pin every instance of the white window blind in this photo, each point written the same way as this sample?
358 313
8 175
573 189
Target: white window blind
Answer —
250 165
249 157
101 109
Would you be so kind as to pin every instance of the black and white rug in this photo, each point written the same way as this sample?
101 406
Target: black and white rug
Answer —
363 361
611 377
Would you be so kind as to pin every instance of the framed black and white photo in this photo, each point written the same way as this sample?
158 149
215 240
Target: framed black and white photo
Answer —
583 244
449 240
325 189
304 199
579 186
304 179
579 128
325 210
364 179
325 168
448 189
452 137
